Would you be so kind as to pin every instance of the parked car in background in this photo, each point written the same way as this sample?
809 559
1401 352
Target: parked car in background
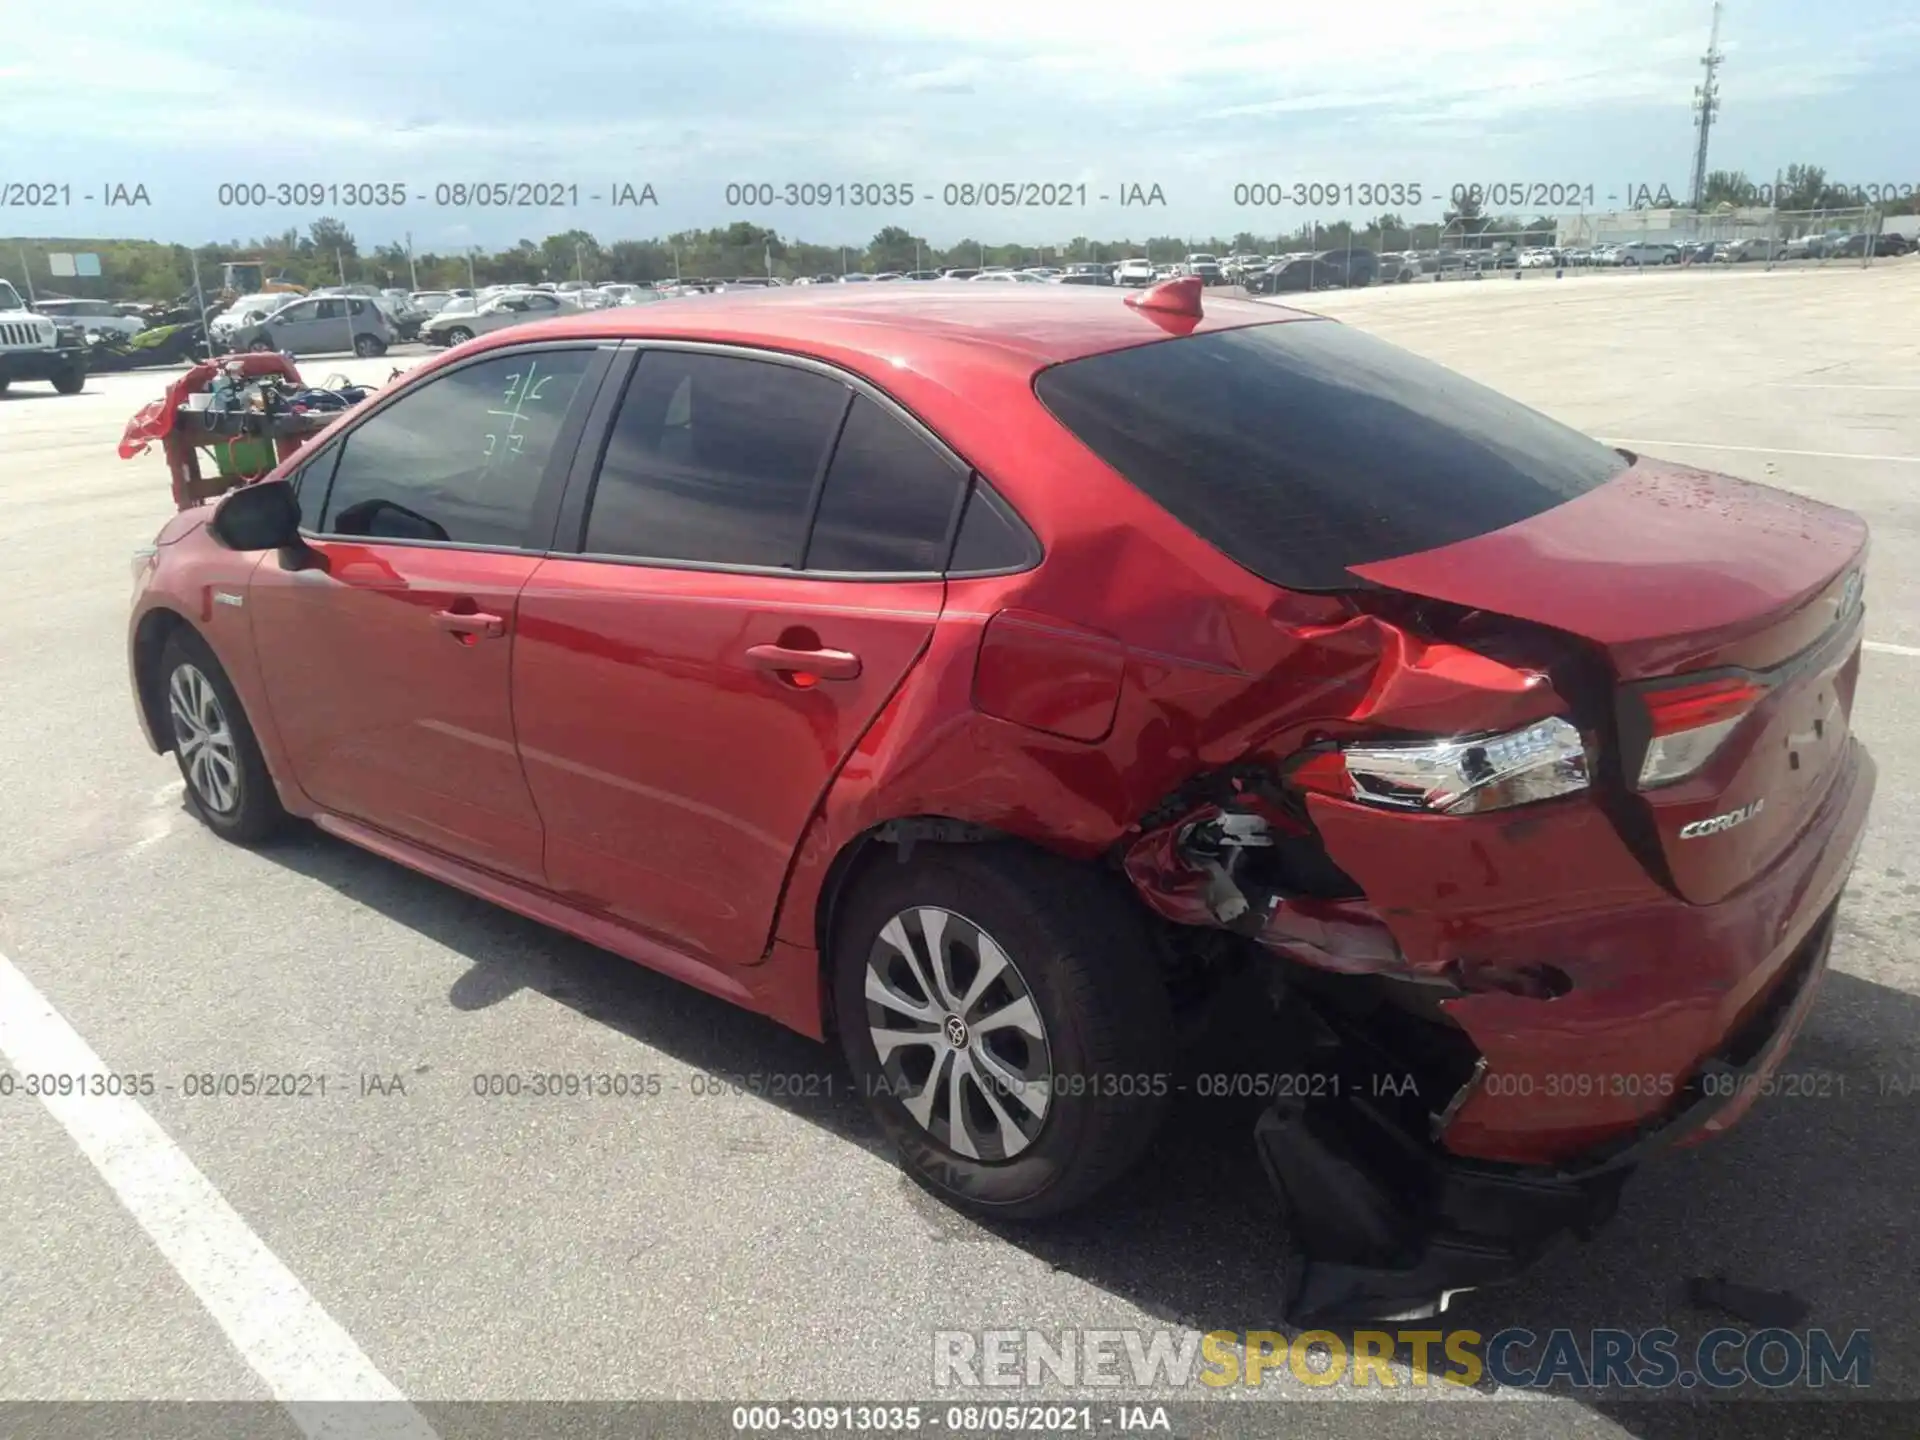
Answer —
1296 273
405 316
430 302
959 272
1855 246
496 312
91 317
248 310
1009 276
923 275
1648 252
1398 267
37 347
321 325
1134 272
1206 266
1085 273
1354 267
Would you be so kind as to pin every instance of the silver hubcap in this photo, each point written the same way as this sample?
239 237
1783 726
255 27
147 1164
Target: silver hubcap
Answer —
960 1041
204 740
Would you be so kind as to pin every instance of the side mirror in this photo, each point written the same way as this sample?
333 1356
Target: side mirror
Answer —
261 516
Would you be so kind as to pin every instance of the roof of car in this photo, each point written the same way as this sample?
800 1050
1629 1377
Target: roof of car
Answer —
1023 326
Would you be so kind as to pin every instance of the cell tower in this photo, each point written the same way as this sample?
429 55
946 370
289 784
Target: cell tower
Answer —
1706 104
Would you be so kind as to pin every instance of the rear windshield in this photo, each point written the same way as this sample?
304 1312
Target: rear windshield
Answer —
1301 448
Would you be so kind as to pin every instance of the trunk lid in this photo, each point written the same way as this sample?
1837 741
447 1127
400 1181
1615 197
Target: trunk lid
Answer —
1676 572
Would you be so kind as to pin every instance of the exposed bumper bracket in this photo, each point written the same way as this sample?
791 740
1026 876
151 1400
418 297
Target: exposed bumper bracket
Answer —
1385 1229
1386 1225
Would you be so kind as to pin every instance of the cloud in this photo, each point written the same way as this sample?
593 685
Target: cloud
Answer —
694 94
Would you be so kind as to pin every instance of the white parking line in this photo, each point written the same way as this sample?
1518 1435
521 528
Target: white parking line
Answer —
1887 649
311 1365
1759 450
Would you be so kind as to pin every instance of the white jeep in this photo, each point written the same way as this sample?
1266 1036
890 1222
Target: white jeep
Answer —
34 347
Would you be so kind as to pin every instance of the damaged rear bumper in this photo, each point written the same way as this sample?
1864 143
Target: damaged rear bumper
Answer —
1388 1226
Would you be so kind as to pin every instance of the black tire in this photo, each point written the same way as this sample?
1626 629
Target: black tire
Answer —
262 345
5 381
459 335
72 380
1079 947
255 813
368 346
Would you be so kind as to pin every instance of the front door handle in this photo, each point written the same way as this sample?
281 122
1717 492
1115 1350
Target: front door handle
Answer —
471 625
817 664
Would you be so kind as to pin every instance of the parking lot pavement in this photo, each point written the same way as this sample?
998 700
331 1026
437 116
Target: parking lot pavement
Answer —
688 1244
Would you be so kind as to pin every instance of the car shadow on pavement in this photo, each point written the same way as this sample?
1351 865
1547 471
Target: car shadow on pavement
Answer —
1812 1193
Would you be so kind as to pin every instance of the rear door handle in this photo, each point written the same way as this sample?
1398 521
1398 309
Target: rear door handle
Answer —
825 664
470 625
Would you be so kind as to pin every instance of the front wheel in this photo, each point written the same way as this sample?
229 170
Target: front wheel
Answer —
228 787
459 335
72 380
262 345
1001 1011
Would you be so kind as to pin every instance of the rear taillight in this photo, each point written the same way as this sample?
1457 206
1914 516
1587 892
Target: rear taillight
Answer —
1452 776
1687 723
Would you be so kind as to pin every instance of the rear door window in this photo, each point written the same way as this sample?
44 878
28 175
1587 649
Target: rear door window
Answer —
1302 448
714 459
890 498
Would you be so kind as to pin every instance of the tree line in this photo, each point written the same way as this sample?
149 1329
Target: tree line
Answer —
329 253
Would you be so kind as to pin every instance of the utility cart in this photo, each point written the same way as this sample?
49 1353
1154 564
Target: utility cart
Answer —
195 418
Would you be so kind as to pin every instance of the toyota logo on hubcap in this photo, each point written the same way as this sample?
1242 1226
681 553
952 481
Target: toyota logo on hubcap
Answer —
956 1032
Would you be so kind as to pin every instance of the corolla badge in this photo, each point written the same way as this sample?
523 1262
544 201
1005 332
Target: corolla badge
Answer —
1716 824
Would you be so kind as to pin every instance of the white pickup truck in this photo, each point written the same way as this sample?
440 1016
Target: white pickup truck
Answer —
34 347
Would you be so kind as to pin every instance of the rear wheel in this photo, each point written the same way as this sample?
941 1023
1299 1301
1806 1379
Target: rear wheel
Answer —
228 787
1002 1013
367 346
262 345
5 380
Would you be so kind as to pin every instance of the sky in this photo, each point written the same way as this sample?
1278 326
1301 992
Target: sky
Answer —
603 98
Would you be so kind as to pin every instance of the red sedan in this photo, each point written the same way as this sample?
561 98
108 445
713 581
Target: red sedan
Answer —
993 678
